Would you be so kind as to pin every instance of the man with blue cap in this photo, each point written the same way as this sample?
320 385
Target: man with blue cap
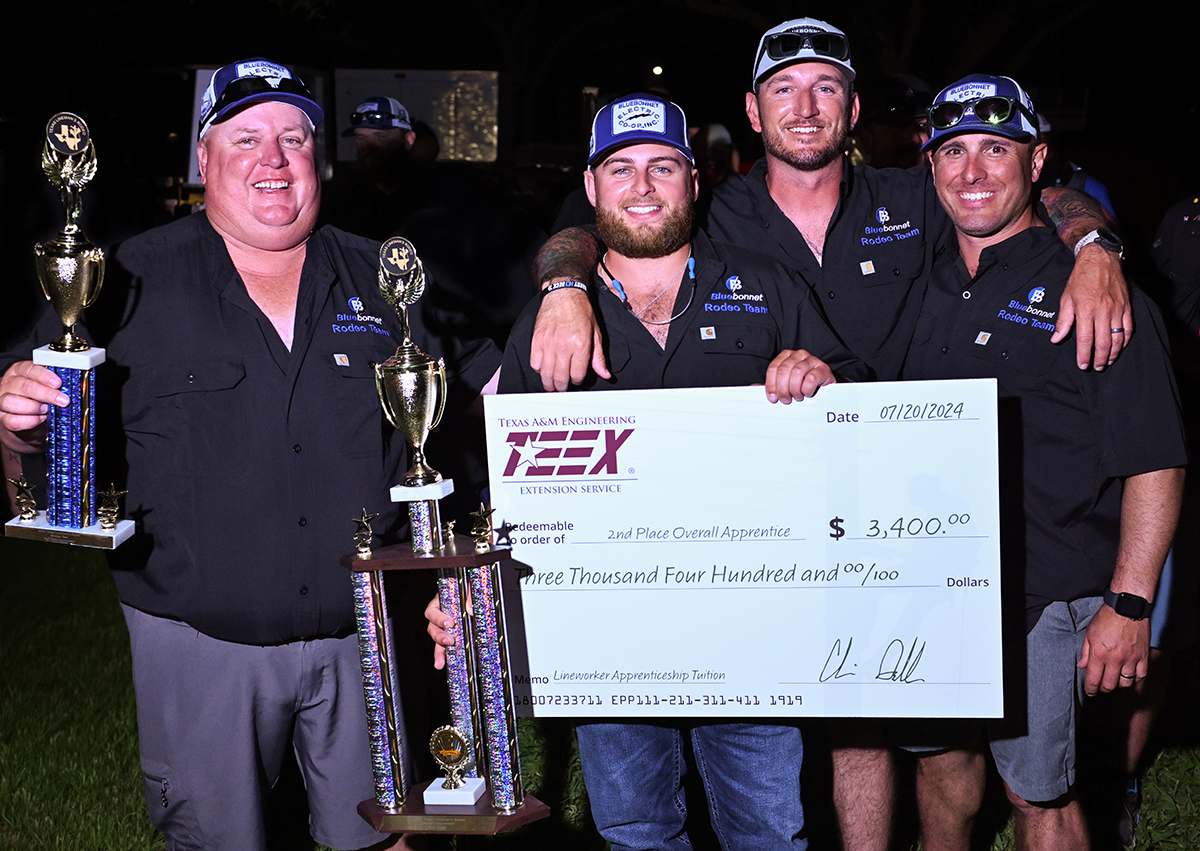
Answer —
1091 462
242 356
663 292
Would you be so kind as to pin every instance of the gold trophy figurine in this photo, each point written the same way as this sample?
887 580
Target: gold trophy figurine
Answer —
69 268
411 385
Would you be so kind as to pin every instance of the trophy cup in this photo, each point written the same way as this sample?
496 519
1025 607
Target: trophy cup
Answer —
71 270
479 751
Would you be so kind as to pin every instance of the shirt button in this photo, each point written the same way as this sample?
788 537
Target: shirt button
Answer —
740 344
1005 267
303 521
296 448
896 272
191 378
303 590
831 294
967 294
945 349
1004 355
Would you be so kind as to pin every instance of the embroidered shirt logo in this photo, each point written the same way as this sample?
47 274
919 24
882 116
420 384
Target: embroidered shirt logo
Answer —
882 215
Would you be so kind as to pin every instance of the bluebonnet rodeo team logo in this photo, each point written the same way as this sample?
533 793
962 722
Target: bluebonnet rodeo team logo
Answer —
1027 314
734 301
884 233
358 322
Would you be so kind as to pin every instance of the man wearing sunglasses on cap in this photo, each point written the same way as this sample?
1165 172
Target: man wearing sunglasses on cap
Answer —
1091 462
240 365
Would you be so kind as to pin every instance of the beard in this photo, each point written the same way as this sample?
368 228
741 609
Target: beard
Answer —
806 159
674 232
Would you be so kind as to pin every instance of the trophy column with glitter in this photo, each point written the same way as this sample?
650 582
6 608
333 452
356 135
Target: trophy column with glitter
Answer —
71 271
479 750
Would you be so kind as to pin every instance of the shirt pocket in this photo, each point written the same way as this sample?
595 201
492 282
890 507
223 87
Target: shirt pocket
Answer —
1025 350
355 411
193 416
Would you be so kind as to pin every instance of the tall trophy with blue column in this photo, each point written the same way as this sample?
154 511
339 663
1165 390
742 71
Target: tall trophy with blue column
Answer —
482 792
71 271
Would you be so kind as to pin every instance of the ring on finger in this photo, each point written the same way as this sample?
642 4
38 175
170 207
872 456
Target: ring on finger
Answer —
1117 330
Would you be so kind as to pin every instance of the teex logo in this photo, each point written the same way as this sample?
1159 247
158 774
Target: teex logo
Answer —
565 453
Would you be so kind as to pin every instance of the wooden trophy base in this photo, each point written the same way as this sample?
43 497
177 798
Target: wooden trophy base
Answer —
482 819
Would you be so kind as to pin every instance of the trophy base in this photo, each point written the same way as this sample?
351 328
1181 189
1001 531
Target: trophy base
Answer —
459 552
435 795
481 819
39 529
82 360
420 493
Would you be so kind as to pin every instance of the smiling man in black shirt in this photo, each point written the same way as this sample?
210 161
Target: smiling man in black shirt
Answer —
1091 461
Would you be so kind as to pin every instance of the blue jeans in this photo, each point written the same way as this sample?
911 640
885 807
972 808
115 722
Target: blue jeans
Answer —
751 773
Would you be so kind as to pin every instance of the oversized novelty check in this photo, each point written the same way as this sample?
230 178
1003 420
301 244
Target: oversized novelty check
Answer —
702 552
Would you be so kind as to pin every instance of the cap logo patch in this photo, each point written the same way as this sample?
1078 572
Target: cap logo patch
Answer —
268 70
639 115
971 91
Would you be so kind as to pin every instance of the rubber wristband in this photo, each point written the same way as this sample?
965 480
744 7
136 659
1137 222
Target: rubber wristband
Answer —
562 285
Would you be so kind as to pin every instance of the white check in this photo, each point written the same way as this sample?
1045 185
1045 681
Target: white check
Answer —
702 552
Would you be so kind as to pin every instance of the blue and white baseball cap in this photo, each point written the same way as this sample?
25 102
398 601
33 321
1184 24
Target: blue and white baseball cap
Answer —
801 40
636 119
241 84
379 112
980 103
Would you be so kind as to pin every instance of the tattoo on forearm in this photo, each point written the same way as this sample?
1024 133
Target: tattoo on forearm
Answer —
1074 214
570 253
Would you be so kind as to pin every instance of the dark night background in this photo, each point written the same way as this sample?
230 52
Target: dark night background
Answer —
124 68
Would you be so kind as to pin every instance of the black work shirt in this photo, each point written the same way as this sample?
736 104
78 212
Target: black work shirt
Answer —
1067 437
879 248
247 461
745 309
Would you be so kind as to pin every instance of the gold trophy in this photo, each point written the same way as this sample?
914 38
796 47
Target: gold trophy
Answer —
411 384
71 271
483 792
69 268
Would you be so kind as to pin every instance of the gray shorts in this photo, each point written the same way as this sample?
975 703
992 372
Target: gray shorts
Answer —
1039 762
214 722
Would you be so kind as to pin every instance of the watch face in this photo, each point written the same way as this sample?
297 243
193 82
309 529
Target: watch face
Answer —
1132 606
1109 240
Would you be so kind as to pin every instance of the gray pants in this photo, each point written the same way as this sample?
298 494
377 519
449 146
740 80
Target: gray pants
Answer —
215 719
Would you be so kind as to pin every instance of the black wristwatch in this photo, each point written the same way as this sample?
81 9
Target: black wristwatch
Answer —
1129 605
1106 239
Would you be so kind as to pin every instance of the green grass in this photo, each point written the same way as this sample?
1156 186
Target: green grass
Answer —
69 775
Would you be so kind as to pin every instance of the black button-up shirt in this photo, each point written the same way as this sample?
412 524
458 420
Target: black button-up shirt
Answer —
1067 436
745 308
246 461
878 252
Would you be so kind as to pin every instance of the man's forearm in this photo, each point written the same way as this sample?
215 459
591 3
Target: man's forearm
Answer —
1075 214
1149 514
570 253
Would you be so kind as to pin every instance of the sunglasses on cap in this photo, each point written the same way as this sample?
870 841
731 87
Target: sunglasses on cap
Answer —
994 109
360 118
786 45
250 86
